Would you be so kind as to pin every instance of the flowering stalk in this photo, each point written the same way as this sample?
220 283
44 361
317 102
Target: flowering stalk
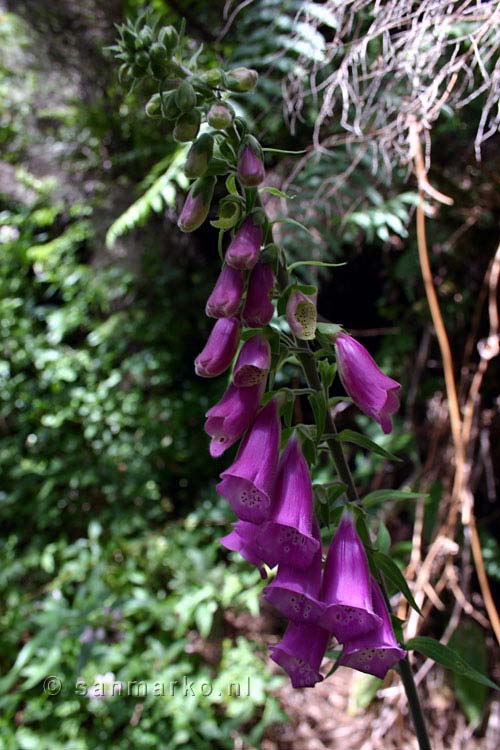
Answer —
271 494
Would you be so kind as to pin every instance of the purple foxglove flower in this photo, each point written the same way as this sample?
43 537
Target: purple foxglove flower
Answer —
296 592
228 419
300 653
377 651
226 295
251 170
302 315
248 483
243 252
253 362
375 393
258 309
286 538
242 539
220 348
346 589
197 204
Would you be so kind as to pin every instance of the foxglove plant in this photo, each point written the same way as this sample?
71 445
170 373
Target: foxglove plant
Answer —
273 497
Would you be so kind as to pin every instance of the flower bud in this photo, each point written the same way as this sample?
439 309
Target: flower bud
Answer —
220 116
226 295
198 156
243 252
220 348
168 37
212 77
187 126
302 315
250 165
185 97
153 107
197 204
159 60
241 79
169 107
258 309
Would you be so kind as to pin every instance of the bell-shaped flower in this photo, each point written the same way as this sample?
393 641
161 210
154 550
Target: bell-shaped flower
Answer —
253 362
251 170
220 348
375 393
258 308
346 589
302 315
243 251
226 295
377 651
228 419
300 653
248 483
296 592
197 204
286 538
242 539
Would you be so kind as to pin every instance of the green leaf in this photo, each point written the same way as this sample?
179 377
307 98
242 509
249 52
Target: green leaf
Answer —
321 263
293 222
393 574
448 658
380 496
282 151
276 192
469 642
318 406
351 436
383 540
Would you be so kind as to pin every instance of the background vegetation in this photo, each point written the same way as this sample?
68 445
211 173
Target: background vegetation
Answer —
109 553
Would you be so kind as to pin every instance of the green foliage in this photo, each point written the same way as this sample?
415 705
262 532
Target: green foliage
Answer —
131 605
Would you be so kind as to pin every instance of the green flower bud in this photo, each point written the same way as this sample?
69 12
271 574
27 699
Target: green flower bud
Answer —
220 116
229 213
145 37
185 97
153 107
128 37
197 204
169 107
198 156
159 60
187 126
241 79
140 65
213 77
168 36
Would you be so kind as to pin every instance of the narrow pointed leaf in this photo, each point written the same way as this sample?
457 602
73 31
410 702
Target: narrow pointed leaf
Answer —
448 658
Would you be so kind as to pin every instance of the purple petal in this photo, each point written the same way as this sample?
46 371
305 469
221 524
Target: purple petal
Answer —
243 252
226 295
300 653
258 309
228 419
220 348
253 362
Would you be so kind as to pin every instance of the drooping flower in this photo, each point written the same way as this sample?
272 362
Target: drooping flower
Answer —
296 592
220 348
286 538
300 653
302 315
228 419
375 393
243 252
253 362
258 308
346 589
197 204
199 155
377 651
242 539
248 483
226 295
251 170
